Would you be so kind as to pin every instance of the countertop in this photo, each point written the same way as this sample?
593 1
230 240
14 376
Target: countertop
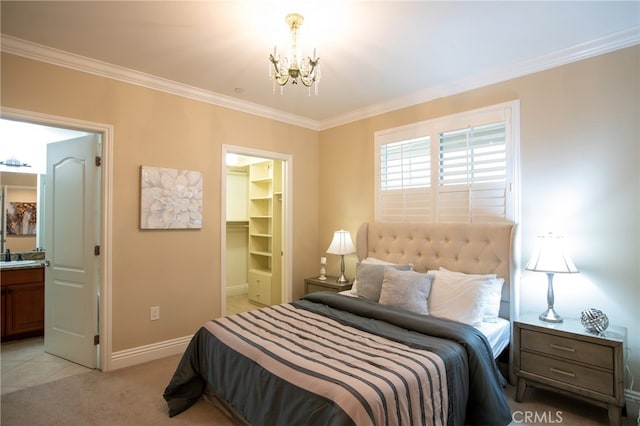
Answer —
36 264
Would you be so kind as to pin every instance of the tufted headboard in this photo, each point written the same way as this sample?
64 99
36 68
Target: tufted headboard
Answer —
469 248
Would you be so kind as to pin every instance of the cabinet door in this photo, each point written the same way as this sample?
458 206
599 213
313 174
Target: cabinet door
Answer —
260 288
24 308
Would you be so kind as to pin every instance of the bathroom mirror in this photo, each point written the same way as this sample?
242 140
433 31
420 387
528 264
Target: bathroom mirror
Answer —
20 212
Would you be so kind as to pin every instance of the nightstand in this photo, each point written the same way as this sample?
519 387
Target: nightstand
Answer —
566 358
311 285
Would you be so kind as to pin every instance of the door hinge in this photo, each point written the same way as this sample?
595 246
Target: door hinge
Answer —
98 161
96 250
96 339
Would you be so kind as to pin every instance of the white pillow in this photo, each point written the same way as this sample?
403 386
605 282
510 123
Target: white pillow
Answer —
407 290
457 297
492 308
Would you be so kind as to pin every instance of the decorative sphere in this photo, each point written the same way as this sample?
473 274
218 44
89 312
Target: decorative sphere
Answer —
594 320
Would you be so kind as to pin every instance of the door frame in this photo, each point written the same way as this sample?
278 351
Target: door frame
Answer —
106 206
287 218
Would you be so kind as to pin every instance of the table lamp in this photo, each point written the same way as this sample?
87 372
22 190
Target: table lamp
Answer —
549 257
341 244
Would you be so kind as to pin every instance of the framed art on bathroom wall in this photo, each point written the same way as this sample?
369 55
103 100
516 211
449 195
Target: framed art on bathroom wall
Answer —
21 218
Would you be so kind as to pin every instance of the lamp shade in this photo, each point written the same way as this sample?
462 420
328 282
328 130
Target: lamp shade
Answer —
549 256
341 243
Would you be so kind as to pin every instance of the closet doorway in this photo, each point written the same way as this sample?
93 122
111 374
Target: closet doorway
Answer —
256 229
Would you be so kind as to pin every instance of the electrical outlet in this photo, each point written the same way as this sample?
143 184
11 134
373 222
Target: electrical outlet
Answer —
155 313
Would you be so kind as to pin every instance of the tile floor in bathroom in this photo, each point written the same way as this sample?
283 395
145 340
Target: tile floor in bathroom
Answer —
24 363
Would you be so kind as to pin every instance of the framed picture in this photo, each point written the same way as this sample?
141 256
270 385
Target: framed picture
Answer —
170 198
21 218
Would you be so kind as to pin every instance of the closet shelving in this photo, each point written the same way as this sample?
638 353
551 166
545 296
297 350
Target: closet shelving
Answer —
260 231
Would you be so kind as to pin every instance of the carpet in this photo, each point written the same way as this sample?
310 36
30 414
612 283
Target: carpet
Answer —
128 396
133 396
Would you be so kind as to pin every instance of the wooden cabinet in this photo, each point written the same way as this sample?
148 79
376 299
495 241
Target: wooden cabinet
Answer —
311 285
566 358
22 302
260 287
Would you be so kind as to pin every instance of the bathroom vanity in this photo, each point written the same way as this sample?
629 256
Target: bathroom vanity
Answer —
22 300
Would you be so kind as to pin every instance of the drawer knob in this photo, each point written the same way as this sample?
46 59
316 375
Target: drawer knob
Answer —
562 348
565 373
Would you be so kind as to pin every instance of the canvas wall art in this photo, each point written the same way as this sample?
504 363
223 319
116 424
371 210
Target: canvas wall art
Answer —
170 198
21 218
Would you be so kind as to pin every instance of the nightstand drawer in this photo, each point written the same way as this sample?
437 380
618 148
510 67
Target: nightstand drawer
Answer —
312 288
574 350
566 372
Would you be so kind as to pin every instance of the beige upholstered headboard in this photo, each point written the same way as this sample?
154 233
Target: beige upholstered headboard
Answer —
469 248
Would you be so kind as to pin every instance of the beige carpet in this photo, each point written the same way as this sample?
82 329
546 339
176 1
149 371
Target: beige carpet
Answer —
133 396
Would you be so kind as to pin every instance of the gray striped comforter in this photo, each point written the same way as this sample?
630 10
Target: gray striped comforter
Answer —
331 359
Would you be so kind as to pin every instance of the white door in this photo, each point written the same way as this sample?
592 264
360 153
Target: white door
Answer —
72 232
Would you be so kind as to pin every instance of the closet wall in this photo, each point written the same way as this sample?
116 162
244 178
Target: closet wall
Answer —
237 230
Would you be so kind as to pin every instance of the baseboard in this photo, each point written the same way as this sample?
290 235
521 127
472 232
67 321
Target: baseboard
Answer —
632 398
235 290
146 353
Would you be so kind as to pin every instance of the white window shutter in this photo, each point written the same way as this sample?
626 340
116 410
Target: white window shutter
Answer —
460 168
472 174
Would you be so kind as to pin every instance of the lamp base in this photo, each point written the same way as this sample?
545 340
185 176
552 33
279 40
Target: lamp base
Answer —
342 279
550 316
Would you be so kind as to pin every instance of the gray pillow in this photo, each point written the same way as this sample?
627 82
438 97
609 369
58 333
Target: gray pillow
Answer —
407 290
370 276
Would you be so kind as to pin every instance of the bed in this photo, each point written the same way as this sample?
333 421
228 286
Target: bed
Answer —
376 358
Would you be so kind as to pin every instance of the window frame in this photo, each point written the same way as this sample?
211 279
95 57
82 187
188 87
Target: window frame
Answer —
509 112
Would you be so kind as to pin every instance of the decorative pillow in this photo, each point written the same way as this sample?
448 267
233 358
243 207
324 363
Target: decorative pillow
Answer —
459 298
407 290
370 276
373 261
492 308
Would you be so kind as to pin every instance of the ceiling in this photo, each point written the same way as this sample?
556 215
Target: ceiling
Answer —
375 56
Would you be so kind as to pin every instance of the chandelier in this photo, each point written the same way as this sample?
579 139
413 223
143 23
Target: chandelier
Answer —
292 68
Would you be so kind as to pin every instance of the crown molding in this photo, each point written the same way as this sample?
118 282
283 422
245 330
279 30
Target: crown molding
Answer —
610 43
65 59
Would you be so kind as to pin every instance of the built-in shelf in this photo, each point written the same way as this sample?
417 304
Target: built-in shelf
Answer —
260 232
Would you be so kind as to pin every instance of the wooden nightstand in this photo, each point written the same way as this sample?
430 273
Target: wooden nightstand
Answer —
311 285
567 358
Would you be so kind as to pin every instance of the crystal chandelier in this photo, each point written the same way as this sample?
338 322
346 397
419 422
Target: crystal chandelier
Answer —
285 69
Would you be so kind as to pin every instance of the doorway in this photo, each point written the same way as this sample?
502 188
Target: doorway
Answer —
256 229
103 279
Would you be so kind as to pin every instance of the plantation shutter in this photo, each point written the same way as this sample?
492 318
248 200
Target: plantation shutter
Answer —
461 168
405 176
472 174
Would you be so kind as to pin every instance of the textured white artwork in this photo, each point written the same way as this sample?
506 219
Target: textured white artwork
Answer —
170 198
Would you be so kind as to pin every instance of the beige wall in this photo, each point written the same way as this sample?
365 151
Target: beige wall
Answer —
176 270
580 162
580 176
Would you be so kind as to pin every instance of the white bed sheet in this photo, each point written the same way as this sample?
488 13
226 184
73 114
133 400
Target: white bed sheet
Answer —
497 333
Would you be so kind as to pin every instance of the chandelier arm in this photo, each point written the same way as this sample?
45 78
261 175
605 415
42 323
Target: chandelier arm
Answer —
274 62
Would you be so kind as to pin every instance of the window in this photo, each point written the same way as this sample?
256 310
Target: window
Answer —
459 168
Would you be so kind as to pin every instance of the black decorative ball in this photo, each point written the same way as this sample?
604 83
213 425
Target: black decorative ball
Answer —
594 320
